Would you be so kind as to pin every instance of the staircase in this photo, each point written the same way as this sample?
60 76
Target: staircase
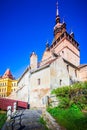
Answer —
25 120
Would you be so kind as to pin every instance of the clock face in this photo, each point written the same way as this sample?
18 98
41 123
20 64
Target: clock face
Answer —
57 30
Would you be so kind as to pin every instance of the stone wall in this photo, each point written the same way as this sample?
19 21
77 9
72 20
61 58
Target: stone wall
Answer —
82 73
23 92
58 74
39 86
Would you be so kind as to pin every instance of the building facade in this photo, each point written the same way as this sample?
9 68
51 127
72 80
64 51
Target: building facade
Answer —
59 66
7 84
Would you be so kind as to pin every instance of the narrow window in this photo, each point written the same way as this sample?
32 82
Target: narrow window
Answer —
68 68
75 73
60 82
39 81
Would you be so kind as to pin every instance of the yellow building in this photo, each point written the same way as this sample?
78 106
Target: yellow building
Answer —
7 84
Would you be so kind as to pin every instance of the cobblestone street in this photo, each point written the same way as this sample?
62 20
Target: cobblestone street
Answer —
25 120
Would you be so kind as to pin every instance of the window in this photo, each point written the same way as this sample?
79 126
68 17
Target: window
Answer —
68 68
14 84
39 81
4 89
62 52
60 82
75 73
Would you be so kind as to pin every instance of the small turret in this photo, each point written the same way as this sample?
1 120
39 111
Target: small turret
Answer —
72 34
47 45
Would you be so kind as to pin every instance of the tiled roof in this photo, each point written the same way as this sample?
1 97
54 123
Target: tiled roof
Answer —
82 65
7 74
70 63
49 62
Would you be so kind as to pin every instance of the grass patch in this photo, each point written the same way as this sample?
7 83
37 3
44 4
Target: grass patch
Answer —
2 118
71 112
71 118
43 122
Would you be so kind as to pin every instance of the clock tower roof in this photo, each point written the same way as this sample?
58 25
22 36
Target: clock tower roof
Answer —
59 27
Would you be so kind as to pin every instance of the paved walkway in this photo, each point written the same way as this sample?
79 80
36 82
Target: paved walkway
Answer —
25 120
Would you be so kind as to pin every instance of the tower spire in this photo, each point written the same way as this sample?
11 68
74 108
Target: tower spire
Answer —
57 11
57 14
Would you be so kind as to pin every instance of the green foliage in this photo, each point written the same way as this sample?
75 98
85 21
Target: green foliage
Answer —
41 120
2 119
74 94
64 103
71 118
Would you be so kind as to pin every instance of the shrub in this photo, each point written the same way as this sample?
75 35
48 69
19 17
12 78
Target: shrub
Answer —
77 94
2 119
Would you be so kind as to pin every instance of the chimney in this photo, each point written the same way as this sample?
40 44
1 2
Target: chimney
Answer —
33 61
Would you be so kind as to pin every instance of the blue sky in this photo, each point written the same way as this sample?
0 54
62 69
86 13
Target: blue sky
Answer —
26 25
